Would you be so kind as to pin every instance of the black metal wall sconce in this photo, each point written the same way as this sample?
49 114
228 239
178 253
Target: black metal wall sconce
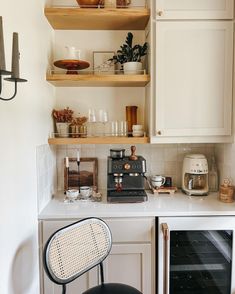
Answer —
14 73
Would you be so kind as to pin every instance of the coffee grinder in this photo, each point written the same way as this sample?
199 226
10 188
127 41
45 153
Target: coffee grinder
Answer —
126 177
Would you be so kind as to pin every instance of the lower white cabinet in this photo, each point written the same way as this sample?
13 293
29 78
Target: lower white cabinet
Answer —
130 260
130 264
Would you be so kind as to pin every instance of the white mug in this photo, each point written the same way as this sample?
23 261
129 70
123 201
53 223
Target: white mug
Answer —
157 181
72 194
85 192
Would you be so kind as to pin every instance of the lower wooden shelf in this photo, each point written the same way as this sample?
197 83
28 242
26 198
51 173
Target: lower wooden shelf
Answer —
99 140
98 80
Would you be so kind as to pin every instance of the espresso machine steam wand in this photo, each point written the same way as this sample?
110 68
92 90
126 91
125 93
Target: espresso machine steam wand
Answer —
118 181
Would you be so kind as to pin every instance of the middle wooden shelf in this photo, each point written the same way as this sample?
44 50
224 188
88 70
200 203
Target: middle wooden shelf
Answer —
99 140
98 80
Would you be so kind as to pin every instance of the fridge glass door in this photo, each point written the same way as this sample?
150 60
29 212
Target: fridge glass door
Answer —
200 262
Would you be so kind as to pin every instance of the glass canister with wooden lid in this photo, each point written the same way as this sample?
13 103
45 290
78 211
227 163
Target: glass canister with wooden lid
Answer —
226 192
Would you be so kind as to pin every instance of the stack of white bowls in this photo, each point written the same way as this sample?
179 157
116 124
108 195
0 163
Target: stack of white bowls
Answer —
137 131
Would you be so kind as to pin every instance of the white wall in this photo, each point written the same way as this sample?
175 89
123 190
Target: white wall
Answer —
25 123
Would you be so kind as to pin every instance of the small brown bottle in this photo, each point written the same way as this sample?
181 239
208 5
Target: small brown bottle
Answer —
131 118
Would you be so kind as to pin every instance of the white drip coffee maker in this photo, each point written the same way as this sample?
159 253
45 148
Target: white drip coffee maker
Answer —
195 175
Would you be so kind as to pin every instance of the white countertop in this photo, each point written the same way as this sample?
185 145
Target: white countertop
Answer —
178 204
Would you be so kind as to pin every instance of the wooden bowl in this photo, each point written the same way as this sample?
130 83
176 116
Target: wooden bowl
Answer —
72 65
88 3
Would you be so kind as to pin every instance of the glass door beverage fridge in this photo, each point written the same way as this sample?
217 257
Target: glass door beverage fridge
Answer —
196 255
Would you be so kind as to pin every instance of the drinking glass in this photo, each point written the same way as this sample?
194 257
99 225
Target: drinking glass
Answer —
103 120
122 128
91 130
103 116
91 115
114 128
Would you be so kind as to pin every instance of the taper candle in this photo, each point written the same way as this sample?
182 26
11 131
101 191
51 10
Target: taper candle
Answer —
15 57
67 162
78 156
2 52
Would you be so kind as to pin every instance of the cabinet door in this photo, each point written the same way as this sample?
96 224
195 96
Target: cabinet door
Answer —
130 264
82 283
194 62
194 9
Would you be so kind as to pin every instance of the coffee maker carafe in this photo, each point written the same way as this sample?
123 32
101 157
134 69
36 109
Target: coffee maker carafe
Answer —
195 175
126 177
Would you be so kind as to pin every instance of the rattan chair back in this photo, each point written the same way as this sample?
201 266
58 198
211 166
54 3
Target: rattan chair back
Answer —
75 249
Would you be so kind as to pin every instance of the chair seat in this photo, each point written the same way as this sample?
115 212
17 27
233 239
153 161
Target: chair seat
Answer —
112 288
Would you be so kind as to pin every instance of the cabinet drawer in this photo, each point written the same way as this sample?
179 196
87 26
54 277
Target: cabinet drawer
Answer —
130 229
194 9
123 229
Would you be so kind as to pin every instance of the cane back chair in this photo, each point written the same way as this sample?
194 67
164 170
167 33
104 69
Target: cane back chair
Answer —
75 249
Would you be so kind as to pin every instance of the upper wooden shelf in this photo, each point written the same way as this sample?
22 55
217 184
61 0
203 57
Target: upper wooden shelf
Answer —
97 18
99 140
96 80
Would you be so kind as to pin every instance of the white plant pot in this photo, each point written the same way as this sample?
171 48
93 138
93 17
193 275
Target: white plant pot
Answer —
132 68
62 129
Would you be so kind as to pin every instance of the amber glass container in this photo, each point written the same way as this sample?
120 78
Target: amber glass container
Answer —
131 118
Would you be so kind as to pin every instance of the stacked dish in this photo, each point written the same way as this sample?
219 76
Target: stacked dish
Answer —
137 131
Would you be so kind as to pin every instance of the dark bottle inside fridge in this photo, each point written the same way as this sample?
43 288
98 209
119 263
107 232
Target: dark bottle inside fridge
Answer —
200 262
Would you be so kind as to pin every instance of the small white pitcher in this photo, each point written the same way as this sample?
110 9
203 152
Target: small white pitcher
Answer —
73 52
157 181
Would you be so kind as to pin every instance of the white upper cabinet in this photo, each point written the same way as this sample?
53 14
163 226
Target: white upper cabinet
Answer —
194 64
194 9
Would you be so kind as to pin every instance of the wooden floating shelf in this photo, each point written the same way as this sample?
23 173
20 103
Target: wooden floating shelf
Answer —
94 80
99 140
62 18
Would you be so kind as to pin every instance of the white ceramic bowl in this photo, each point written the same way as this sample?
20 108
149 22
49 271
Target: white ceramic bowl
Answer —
72 194
137 128
138 133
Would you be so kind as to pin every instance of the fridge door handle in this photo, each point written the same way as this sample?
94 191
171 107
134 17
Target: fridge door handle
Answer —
165 231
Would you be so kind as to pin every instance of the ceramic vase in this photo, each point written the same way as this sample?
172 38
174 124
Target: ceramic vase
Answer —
62 129
132 68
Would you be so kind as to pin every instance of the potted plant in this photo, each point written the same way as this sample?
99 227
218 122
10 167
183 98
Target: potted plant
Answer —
62 119
130 56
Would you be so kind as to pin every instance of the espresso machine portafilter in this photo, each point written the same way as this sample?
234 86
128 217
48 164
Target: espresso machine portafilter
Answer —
126 177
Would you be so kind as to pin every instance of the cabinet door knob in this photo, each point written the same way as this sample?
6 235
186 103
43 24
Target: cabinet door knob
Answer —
159 132
160 13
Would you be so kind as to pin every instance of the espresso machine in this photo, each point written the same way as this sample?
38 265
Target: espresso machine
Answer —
195 175
126 177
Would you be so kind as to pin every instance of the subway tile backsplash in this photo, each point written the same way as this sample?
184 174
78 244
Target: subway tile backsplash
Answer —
46 174
161 159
